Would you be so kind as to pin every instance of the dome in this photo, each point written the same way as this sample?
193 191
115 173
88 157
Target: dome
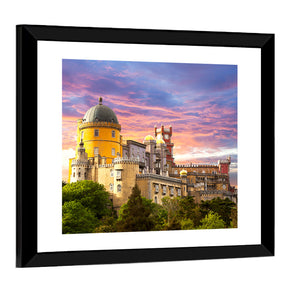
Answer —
149 138
183 172
160 141
100 113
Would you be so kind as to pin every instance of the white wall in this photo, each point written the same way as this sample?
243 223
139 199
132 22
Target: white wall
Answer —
255 278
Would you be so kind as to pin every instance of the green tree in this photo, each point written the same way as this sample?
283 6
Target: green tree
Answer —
171 205
222 207
91 195
173 224
77 219
187 224
233 217
135 215
159 215
212 221
107 224
187 207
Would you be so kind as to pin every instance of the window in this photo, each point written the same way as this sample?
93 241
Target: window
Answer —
111 173
96 150
78 174
113 151
82 134
113 134
171 190
156 188
118 175
175 172
155 199
111 187
164 189
74 174
96 132
119 188
179 192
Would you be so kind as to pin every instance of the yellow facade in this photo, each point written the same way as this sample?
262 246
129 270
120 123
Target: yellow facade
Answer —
101 138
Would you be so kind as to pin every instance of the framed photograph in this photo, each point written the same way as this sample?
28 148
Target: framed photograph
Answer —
138 145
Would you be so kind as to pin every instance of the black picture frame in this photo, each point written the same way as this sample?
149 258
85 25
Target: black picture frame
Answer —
27 153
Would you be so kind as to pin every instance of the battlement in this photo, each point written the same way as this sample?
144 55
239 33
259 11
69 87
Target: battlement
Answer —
99 124
122 160
81 163
156 176
196 166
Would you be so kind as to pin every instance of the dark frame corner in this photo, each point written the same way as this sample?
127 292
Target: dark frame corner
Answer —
26 55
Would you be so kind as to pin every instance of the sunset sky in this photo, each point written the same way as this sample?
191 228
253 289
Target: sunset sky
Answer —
198 100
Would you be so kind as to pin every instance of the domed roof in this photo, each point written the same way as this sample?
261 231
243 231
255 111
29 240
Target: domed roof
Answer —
183 172
149 138
160 141
100 113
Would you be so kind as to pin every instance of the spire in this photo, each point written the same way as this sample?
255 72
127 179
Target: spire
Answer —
100 100
81 143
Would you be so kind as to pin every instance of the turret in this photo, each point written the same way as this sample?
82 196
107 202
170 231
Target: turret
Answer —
80 165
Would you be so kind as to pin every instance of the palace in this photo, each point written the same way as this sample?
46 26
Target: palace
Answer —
102 155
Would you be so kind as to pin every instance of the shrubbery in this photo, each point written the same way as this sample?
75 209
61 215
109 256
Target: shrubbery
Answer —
87 209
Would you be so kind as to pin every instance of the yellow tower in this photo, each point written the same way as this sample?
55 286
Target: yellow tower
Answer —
99 130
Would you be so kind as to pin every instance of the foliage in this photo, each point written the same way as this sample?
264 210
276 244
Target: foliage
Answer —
135 216
187 224
233 217
160 216
222 207
212 221
171 205
91 195
107 224
87 208
187 207
77 219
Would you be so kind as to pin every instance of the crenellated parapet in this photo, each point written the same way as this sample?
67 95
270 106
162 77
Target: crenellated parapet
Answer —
196 166
122 160
85 125
157 176
79 163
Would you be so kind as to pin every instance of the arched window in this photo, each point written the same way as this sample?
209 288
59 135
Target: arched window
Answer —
113 134
119 188
111 173
111 187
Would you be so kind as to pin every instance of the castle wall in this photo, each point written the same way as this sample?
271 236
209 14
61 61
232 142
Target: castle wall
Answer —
124 180
156 187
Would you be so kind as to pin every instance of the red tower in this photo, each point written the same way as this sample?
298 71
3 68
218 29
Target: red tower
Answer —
166 134
224 165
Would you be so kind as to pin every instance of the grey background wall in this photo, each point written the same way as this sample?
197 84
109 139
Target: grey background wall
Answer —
255 278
